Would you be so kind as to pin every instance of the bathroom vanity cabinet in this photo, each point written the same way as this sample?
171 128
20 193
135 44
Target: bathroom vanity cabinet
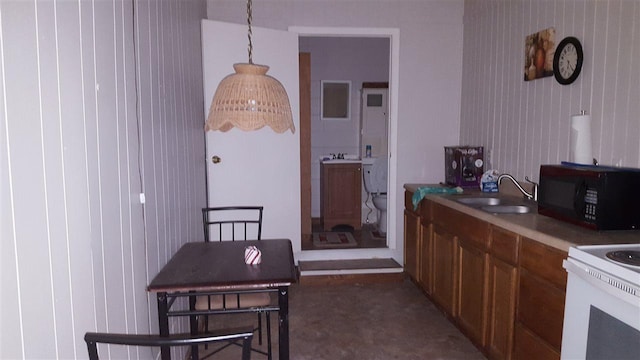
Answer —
340 195
504 291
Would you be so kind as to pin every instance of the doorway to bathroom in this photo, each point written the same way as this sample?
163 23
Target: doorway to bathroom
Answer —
362 58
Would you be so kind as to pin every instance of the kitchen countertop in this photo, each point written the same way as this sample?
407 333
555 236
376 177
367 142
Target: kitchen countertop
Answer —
541 228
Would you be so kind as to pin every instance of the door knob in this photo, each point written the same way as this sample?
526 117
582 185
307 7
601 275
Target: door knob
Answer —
215 159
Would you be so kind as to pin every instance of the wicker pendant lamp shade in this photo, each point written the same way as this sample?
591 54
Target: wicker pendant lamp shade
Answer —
250 99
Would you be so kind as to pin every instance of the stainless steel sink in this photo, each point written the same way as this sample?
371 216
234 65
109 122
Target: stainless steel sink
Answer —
498 205
507 209
479 201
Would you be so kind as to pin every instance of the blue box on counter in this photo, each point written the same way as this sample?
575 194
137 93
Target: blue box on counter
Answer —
464 165
489 186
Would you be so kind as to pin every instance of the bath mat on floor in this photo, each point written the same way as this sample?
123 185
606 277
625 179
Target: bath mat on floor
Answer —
333 240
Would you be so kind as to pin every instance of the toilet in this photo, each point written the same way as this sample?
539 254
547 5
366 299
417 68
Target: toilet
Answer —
375 183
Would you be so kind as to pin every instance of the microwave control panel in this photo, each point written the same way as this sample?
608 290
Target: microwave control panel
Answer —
590 200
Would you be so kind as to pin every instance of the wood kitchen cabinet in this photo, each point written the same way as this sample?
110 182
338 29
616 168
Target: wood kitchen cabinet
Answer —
465 239
472 290
412 233
418 245
502 295
426 258
444 256
503 280
504 291
540 311
472 276
444 279
341 195
426 248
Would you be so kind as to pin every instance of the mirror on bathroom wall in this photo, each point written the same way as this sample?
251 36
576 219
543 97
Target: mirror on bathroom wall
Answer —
335 98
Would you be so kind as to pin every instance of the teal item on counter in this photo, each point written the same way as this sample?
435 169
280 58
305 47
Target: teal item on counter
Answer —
422 191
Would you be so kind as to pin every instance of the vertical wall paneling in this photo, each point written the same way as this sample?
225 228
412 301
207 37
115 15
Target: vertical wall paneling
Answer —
172 147
100 101
11 339
526 124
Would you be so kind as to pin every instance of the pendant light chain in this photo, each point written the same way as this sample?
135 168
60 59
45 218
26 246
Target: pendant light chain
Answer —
249 11
250 99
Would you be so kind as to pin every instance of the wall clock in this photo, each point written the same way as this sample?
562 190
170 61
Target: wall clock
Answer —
567 60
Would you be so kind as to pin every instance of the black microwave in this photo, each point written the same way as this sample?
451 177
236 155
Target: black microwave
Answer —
596 197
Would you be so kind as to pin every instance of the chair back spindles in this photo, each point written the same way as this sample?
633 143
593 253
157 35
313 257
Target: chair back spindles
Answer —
232 223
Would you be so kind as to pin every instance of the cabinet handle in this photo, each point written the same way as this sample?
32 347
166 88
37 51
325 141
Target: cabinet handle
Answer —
215 159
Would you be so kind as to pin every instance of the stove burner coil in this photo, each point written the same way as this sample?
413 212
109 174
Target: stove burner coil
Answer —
628 257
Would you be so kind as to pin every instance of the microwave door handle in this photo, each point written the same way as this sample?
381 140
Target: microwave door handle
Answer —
578 199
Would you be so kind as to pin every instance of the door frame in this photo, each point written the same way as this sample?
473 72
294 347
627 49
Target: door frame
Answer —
393 34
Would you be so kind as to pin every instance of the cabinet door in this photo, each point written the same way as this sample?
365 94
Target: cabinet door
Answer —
341 188
411 243
472 290
444 257
544 261
502 303
426 258
528 346
541 308
541 294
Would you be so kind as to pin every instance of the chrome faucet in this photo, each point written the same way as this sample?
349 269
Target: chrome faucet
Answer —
530 196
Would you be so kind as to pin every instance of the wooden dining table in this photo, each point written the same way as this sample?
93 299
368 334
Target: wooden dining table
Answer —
206 268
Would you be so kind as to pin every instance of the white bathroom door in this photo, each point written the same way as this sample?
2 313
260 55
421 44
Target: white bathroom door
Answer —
256 167
374 121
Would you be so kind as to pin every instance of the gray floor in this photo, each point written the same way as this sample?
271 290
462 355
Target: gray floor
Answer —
368 321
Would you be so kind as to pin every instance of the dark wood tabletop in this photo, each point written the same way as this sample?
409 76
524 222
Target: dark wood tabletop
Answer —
203 266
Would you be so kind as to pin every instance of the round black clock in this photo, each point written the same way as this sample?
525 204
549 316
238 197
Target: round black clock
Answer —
567 60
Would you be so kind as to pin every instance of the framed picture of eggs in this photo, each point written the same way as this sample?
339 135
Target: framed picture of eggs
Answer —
539 49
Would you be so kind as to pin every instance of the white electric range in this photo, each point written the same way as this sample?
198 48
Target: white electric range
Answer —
602 308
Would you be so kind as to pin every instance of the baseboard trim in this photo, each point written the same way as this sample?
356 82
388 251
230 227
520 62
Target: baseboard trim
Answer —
351 278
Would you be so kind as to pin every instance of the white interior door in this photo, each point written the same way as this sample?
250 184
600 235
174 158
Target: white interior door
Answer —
374 121
257 167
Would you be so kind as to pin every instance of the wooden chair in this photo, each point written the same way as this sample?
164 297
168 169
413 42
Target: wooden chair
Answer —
244 334
236 223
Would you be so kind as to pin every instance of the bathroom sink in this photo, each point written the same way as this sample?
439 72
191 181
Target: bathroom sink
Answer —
479 201
507 209
342 161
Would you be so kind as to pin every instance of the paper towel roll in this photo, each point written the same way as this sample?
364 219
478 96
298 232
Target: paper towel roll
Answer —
580 150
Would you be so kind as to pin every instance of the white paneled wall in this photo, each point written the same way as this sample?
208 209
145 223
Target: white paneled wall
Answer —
87 125
526 124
